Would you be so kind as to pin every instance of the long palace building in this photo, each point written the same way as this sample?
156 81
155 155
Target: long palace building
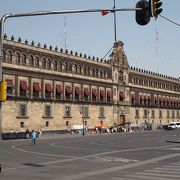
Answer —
54 89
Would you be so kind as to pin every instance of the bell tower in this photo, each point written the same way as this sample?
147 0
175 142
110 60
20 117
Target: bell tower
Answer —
119 63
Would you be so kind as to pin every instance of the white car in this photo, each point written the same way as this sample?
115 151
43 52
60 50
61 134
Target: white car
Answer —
173 125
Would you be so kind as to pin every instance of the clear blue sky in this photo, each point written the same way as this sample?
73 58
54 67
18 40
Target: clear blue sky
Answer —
93 33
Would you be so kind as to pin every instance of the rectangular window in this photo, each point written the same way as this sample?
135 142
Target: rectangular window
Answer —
22 124
137 113
47 123
85 111
9 90
67 123
153 114
67 111
47 111
160 114
101 112
23 110
86 94
145 113
177 114
48 90
168 114
23 89
36 90
173 114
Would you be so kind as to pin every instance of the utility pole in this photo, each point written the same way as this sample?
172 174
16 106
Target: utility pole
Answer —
115 35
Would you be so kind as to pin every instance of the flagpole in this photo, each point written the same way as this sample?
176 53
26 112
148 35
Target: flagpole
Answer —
115 39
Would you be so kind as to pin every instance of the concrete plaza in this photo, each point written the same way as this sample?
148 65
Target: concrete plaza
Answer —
128 156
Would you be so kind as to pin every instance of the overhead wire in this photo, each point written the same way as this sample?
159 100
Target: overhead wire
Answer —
169 20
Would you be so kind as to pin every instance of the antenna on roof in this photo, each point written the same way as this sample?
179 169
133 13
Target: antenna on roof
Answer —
65 33
156 34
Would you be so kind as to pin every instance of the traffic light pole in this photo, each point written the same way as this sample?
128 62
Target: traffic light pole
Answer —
42 13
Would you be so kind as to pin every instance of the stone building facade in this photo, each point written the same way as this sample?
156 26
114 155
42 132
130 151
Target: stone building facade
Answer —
54 90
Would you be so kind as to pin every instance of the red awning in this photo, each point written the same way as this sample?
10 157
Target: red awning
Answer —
77 90
109 94
86 91
9 82
102 93
68 90
36 87
58 89
48 88
23 85
94 92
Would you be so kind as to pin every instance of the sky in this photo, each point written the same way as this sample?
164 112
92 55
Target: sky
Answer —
154 47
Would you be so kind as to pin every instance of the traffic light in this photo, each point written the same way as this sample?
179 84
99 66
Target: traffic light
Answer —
3 91
156 10
143 16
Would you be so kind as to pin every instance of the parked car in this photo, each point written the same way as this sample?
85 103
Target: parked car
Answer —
173 125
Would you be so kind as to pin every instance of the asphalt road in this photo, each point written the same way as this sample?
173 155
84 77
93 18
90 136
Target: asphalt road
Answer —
127 156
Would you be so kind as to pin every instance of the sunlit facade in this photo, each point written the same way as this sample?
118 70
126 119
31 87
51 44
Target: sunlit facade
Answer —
56 89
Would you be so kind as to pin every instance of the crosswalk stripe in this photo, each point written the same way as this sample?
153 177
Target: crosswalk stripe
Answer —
161 171
167 169
171 166
146 177
178 164
158 175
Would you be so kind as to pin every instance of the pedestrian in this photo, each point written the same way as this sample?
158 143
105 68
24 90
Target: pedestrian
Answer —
33 136
27 133
39 132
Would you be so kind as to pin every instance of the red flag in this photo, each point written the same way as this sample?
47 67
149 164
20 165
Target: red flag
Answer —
104 13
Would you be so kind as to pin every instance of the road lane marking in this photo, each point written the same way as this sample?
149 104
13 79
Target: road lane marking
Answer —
118 168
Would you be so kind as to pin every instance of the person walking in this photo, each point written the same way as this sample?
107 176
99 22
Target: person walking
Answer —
33 136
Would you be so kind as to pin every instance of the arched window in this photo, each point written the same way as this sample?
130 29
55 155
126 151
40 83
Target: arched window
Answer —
70 67
120 76
105 74
37 62
23 59
18 58
60 66
88 71
31 61
49 64
93 72
9 56
43 63
66 66
80 69
4 55
55 65
97 73
101 74
76 68
85 70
